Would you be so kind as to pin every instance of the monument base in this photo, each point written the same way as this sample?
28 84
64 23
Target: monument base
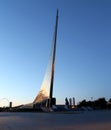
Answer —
51 101
45 103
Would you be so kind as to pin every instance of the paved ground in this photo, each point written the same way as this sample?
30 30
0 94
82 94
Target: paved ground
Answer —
95 120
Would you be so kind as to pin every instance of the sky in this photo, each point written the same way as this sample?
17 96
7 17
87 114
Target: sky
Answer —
83 56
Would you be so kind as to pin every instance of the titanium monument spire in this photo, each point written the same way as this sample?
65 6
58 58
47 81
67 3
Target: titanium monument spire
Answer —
45 95
54 54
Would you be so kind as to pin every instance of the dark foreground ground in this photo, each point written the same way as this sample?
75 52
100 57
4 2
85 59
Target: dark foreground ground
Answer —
92 120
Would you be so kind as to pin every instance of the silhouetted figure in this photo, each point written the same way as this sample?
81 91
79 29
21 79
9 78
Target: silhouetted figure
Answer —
66 102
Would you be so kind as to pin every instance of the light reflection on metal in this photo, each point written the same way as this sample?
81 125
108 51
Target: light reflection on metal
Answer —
46 90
